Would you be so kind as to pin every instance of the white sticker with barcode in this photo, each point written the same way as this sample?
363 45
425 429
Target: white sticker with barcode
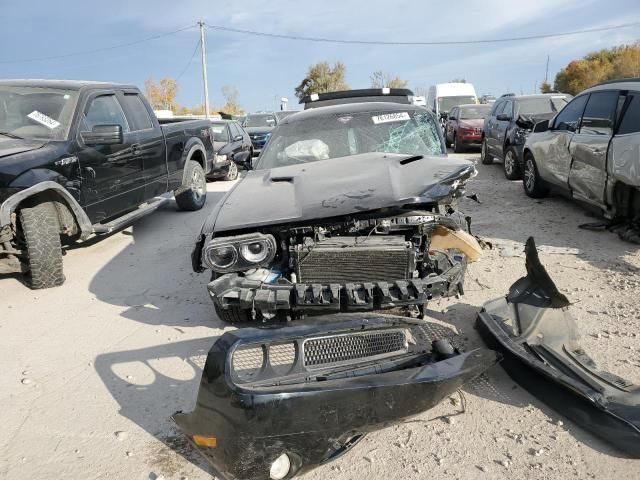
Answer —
391 117
43 119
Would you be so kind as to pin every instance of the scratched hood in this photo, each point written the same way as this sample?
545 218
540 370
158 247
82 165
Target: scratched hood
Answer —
335 187
13 146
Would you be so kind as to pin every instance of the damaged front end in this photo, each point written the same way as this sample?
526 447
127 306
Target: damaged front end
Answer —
275 403
538 338
396 243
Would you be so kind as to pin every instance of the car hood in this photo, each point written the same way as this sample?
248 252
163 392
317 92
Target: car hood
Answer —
13 146
335 187
258 130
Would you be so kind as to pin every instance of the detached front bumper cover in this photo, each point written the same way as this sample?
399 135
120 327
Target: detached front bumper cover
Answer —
538 339
310 392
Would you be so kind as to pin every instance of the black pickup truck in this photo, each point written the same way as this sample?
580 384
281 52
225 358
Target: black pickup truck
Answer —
85 158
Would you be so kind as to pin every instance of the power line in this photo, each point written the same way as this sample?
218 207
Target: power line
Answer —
401 43
96 50
190 60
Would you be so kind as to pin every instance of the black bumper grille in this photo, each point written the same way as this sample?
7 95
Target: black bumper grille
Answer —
343 260
319 352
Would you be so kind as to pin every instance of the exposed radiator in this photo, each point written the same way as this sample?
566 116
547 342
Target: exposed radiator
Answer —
341 259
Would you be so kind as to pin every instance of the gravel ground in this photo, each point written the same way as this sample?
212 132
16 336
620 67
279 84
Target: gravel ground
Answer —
92 370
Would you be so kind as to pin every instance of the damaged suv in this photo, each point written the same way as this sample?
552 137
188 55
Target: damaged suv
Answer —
349 207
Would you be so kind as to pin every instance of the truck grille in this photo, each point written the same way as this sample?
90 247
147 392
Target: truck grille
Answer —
319 352
341 260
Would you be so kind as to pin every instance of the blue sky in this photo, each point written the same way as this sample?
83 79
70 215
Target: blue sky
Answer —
266 69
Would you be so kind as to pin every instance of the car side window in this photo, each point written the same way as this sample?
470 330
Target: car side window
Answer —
569 117
631 121
508 108
599 114
105 110
454 113
234 130
137 113
497 109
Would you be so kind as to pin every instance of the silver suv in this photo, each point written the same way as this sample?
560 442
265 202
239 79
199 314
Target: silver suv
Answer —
590 149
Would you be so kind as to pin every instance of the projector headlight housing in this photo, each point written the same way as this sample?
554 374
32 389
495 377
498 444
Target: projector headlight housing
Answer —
242 252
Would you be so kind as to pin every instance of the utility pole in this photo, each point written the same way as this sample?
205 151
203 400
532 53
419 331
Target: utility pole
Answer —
546 72
204 69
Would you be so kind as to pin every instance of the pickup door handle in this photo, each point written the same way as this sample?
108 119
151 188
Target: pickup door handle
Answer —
135 149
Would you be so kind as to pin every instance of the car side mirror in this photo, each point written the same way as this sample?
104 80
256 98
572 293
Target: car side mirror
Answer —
503 117
542 126
237 138
103 135
452 118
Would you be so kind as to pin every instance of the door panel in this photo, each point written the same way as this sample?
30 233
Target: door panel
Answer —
587 178
112 176
624 152
553 158
492 127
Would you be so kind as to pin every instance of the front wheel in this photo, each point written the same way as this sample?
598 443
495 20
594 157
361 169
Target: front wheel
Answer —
193 193
232 172
41 230
533 185
511 166
233 315
485 156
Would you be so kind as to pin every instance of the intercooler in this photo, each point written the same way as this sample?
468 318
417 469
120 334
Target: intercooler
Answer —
355 259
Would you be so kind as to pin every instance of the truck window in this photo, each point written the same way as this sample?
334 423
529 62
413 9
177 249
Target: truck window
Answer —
599 113
631 120
137 113
105 110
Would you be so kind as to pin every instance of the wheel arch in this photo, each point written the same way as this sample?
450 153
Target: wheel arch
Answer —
194 150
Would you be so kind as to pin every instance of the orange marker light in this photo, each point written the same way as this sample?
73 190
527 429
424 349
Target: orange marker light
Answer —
211 442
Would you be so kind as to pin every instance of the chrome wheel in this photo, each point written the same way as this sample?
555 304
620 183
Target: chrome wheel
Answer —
198 184
529 175
509 162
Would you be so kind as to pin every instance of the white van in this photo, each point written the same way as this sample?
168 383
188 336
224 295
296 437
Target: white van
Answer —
444 96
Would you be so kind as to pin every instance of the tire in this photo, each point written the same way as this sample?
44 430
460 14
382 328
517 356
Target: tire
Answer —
533 185
192 194
511 166
41 230
232 172
485 156
233 315
447 143
457 146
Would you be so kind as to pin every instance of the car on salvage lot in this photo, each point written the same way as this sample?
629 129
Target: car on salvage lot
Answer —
259 127
233 148
85 158
348 208
464 125
591 150
510 121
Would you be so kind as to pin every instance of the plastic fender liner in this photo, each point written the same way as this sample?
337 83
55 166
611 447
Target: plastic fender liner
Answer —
538 339
314 390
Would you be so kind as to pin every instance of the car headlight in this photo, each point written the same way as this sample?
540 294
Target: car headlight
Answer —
521 135
242 252
221 158
280 467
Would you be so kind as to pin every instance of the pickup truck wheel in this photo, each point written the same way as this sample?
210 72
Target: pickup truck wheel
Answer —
233 315
485 156
232 172
41 230
533 185
511 166
193 192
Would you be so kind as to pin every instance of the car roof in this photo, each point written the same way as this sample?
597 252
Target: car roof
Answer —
475 105
346 108
622 84
537 95
62 84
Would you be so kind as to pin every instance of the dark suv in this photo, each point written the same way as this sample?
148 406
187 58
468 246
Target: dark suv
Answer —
509 123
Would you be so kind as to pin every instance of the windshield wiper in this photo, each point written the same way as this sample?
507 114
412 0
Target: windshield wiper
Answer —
11 135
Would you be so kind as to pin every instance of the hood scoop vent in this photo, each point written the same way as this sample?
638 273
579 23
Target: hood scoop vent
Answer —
281 179
415 158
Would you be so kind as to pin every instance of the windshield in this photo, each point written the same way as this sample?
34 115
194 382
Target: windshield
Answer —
540 106
219 132
445 104
266 120
412 132
36 113
474 112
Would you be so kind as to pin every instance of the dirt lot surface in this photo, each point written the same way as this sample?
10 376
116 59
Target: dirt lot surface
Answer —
92 371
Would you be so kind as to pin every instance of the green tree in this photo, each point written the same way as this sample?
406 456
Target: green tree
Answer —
380 79
322 78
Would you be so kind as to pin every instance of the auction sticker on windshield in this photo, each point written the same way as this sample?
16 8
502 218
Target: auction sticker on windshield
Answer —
391 117
43 119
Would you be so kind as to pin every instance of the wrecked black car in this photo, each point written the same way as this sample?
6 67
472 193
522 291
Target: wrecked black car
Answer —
275 403
350 207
